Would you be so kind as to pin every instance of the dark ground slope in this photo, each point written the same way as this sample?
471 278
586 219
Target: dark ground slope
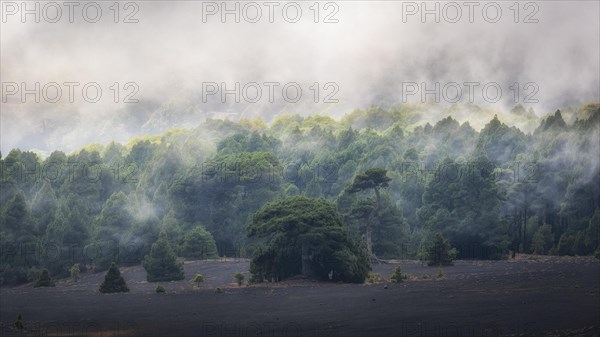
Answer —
543 297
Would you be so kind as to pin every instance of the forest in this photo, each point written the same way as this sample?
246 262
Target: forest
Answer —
519 184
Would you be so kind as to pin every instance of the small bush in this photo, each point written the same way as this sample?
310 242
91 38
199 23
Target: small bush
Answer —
160 289
239 277
44 280
398 276
198 279
218 290
373 277
74 270
440 272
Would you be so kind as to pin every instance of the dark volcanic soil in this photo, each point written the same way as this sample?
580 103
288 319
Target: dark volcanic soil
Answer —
530 296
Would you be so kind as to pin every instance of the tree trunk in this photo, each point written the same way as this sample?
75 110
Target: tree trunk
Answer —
306 263
369 229
368 237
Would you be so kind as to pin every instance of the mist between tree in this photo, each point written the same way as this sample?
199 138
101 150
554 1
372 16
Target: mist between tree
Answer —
128 172
489 192
80 171
69 328
423 171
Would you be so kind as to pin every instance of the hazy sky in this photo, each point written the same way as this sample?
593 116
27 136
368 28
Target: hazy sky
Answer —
372 55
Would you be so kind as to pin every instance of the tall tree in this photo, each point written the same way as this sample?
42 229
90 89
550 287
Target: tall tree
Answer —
373 179
161 264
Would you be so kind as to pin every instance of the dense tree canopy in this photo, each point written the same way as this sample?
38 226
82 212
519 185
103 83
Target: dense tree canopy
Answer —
490 181
305 236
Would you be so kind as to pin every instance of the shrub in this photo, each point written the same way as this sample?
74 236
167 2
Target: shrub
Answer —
44 280
239 277
218 290
597 253
160 289
198 279
440 272
374 277
398 276
439 252
74 270
113 281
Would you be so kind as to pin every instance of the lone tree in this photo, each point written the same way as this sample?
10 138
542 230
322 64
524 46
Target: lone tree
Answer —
438 251
44 280
305 236
113 281
373 179
161 264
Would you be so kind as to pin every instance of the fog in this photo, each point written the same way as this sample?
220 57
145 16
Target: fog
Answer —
370 54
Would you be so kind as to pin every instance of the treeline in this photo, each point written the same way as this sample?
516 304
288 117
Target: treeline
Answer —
488 192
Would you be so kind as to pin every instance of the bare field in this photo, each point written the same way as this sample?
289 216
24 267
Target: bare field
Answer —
529 296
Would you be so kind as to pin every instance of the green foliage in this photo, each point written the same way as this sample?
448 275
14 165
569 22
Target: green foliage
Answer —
44 280
374 278
74 271
542 240
464 207
113 281
199 244
566 244
160 289
218 290
372 178
239 277
161 264
305 236
198 279
493 189
438 251
397 276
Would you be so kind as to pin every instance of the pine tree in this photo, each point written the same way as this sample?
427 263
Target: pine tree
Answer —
113 281
161 264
